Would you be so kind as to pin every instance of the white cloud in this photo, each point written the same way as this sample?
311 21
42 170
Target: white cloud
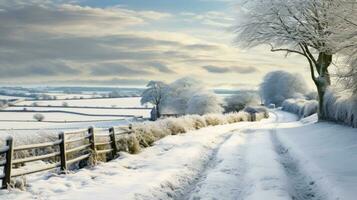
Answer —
99 43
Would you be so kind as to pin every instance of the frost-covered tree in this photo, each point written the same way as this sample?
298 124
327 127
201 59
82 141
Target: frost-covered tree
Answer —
154 94
204 103
314 29
280 85
190 96
239 101
179 93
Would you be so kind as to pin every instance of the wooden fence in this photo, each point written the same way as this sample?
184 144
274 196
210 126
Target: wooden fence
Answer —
70 148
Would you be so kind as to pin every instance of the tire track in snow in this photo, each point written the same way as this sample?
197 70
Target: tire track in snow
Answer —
300 185
192 190
209 164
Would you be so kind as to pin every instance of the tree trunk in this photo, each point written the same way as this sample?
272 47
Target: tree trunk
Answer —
158 114
321 90
323 82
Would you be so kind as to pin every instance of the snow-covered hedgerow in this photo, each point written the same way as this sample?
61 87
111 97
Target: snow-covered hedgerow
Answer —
280 85
148 132
341 107
301 107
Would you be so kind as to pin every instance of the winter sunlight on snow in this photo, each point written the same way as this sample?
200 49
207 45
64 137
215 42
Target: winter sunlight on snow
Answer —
178 100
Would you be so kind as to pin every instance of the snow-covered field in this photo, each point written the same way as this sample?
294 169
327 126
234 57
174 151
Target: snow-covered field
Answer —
93 111
57 117
107 102
22 123
3 97
71 96
277 158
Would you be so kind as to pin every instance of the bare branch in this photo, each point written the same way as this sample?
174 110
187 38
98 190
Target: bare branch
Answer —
286 50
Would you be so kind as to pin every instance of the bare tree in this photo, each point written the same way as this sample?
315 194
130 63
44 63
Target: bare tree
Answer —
315 29
154 94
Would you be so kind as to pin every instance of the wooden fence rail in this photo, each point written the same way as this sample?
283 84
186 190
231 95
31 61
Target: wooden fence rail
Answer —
70 148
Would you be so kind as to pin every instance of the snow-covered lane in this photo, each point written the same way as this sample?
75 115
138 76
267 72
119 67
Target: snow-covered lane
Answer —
278 158
246 166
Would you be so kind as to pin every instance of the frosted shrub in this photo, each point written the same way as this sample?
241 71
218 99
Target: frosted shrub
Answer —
256 113
128 143
145 135
301 107
159 131
341 107
215 119
198 121
176 126
238 117
310 108
133 145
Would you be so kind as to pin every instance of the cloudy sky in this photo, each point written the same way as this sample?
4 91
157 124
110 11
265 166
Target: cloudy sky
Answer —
128 42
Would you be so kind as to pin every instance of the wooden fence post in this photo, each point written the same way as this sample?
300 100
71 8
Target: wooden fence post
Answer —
8 166
114 141
63 154
92 139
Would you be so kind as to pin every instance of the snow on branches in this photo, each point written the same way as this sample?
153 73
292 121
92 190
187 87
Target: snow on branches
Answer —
280 85
315 29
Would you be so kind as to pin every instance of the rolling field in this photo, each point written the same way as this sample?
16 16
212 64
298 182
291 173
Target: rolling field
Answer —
19 122
107 102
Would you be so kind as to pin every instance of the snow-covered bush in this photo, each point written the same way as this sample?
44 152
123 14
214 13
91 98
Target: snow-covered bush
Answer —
301 107
128 143
256 113
215 119
39 117
198 121
341 107
190 96
203 103
312 95
239 101
235 117
280 85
